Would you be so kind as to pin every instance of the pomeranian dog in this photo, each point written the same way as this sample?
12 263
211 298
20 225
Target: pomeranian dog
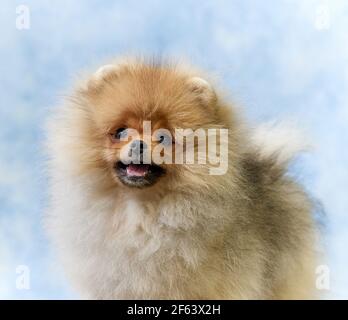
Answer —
183 226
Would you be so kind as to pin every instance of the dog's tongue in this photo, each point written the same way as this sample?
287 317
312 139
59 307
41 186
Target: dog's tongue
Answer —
137 170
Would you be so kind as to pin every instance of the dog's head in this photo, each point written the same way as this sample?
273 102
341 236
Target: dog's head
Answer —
143 116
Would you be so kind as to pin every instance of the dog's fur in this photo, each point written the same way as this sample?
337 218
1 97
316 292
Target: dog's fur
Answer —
247 234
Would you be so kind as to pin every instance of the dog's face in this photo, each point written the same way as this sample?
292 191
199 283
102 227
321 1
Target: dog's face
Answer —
136 109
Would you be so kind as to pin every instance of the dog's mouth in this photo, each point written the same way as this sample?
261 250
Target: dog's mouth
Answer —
138 175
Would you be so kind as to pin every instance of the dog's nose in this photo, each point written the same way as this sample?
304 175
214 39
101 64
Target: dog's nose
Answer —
138 146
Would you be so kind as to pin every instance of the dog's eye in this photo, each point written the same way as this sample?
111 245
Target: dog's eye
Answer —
165 139
120 133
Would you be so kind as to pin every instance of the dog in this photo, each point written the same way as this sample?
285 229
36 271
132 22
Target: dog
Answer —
134 229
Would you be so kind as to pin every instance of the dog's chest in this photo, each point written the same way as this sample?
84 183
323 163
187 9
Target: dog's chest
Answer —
137 230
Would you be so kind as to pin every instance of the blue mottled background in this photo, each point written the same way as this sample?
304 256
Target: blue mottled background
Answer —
280 59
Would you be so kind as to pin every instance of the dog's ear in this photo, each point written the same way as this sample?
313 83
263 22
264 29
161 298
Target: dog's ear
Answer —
106 74
203 90
106 71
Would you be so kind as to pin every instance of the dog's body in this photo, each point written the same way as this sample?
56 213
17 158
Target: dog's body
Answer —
247 234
